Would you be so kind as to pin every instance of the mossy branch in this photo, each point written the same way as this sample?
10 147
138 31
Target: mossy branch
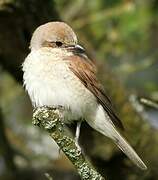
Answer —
51 119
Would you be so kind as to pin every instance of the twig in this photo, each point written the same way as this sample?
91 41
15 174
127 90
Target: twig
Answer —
51 119
48 176
149 102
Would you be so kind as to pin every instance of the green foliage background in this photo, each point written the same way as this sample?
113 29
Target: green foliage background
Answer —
122 37
124 33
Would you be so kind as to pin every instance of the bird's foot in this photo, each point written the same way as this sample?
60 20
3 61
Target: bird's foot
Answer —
77 145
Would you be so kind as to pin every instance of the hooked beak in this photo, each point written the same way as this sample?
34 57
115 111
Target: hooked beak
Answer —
77 48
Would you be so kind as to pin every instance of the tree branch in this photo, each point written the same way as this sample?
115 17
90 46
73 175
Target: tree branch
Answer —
51 120
149 102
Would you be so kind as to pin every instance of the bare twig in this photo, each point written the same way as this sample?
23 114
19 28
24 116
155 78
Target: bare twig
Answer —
51 119
149 102
48 176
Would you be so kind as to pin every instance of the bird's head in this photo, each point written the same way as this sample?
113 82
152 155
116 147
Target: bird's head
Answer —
54 35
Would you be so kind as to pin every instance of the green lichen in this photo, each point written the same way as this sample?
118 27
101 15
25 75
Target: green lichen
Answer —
51 120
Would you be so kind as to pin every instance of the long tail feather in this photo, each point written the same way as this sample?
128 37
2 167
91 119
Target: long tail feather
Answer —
129 151
104 125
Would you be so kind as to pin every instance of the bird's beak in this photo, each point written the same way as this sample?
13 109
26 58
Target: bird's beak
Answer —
76 48
79 49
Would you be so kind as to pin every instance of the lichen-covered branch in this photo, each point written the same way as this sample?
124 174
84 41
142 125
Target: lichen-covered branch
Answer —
51 119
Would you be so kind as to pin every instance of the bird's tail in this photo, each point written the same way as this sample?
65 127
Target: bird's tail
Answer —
102 123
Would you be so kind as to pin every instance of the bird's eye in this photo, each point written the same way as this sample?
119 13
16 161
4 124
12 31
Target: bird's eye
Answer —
58 43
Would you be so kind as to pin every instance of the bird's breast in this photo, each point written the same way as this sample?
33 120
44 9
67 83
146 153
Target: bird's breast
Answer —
50 82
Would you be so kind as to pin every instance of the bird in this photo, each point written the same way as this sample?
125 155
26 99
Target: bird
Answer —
58 72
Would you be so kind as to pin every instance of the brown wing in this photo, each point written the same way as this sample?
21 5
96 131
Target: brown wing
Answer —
85 70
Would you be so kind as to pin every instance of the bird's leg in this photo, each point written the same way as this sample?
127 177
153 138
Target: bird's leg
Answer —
77 135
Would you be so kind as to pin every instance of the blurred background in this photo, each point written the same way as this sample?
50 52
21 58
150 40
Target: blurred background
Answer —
121 36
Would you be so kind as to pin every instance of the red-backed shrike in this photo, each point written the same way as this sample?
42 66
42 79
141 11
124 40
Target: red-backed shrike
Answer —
58 72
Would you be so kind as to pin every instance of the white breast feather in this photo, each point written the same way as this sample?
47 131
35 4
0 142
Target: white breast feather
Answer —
49 81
